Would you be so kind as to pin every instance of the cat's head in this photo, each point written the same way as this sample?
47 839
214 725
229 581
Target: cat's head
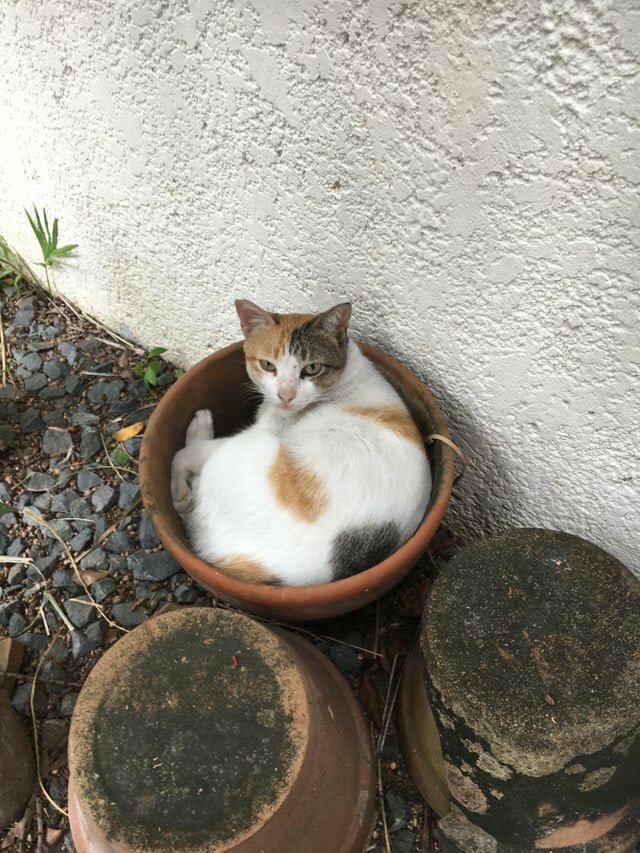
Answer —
294 359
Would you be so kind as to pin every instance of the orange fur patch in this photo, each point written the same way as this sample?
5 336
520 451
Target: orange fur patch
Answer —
271 341
296 488
393 418
243 569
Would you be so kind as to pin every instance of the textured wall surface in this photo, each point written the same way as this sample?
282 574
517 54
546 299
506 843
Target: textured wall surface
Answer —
465 172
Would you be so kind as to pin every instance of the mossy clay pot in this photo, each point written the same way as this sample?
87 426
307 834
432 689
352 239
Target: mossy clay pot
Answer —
519 710
204 730
220 383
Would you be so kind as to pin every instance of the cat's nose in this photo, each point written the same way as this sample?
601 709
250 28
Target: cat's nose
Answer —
286 395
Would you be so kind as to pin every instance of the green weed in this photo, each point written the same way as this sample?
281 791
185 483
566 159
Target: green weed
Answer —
148 366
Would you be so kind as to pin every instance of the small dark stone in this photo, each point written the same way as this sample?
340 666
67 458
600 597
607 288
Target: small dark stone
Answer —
68 703
69 351
35 382
397 810
185 594
54 369
7 437
80 508
17 574
129 614
40 482
117 563
390 748
81 540
34 641
73 385
143 591
403 841
103 588
21 699
96 633
52 672
30 421
100 527
55 419
43 501
346 659
79 614
96 559
146 532
64 579
104 392
80 645
31 362
62 528
51 392
152 567
6 609
17 623
88 480
90 443
56 441
62 501
15 548
129 495
46 564
84 419
119 543
103 498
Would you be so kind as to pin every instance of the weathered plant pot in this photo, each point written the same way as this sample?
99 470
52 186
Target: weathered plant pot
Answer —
17 764
204 730
219 383
529 667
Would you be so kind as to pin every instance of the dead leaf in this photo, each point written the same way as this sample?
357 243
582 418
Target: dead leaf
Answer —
129 431
90 576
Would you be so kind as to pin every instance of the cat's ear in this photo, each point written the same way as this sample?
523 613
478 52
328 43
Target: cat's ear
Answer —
336 320
252 316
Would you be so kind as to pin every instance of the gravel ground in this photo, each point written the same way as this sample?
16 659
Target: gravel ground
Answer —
94 562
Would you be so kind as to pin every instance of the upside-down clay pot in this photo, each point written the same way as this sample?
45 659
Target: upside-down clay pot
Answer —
204 730
220 383
519 712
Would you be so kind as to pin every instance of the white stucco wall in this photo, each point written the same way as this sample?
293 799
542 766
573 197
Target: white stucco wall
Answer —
466 173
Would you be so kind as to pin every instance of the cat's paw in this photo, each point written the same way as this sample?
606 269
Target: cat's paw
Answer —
201 427
181 494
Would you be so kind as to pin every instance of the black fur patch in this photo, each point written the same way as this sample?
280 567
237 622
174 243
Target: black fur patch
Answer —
359 548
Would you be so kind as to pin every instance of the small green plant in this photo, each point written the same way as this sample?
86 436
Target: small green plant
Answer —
48 241
12 265
148 366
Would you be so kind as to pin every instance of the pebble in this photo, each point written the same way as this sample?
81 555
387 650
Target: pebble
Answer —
146 532
79 614
35 382
119 543
31 362
90 443
30 421
80 541
17 574
403 841
129 495
62 528
397 810
73 385
84 419
21 699
152 567
39 482
80 508
103 588
104 392
129 614
95 559
54 369
185 594
17 623
64 579
69 351
68 703
103 498
56 441
15 548
88 480
63 500
346 659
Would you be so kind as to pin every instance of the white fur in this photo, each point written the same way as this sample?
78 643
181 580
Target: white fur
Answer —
370 474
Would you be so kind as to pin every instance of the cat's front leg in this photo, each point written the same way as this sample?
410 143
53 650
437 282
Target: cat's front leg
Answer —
200 428
186 464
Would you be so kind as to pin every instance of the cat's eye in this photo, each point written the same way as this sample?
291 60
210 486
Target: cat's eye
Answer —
312 369
267 366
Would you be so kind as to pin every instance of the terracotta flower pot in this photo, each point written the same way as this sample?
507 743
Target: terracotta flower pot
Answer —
204 730
520 710
219 383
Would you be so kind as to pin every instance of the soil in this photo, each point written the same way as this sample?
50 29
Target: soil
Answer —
81 544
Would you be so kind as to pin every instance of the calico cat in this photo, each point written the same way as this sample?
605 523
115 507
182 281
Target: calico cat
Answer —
330 479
